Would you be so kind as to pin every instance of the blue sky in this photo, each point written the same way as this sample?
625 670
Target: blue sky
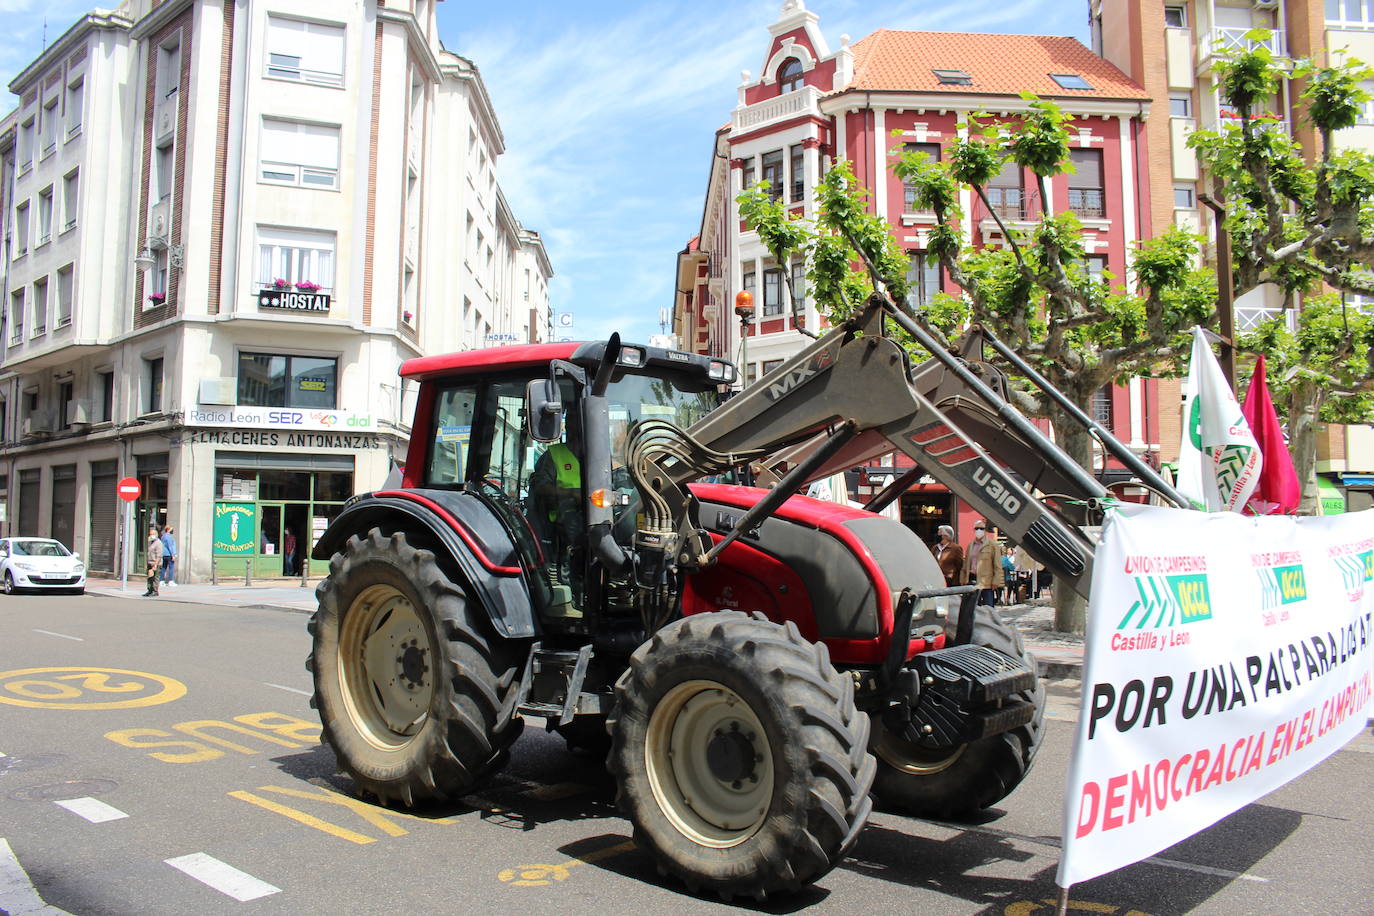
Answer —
608 110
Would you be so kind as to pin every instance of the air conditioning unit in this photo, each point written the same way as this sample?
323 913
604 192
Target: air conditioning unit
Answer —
39 423
158 223
217 391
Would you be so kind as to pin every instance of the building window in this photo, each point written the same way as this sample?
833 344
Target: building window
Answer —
295 256
1175 17
275 380
768 365
1184 198
798 281
40 306
747 176
790 75
1095 265
953 77
1101 407
26 137
1181 106
168 76
164 164
932 150
47 126
106 387
1070 81
65 277
44 217
798 168
771 166
152 385
1366 115
923 278
1086 197
76 93
772 292
311 52
21 229
749 283
305 155
70 186
1349 14
17 316
1005 194
64 405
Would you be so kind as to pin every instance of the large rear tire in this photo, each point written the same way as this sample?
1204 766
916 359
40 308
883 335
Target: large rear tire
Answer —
955 783
415 692
739 755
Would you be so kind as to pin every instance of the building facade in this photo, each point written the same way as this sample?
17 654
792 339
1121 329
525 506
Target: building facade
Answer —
228 225
1171 48
869 101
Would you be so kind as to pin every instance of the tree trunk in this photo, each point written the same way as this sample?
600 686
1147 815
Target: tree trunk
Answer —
1070 610
1304 407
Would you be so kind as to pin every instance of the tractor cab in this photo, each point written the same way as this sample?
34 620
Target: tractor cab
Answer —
510 427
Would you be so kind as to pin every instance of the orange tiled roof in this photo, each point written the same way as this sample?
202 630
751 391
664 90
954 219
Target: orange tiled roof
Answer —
891 61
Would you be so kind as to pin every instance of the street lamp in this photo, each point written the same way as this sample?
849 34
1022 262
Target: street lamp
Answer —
744 308
147 260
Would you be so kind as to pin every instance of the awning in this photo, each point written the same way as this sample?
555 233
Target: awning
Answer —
1331 497
1358 480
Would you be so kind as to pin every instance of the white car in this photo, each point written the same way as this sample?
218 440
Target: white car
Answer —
39 563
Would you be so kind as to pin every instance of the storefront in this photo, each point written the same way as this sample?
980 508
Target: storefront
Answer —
267 482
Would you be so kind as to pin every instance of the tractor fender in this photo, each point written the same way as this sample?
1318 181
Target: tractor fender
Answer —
465 530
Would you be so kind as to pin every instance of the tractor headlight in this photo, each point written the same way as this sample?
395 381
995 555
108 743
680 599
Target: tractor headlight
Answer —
631 356
720 371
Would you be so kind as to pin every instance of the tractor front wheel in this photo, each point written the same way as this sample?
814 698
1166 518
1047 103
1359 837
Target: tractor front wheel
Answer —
739 755
415 692
958 781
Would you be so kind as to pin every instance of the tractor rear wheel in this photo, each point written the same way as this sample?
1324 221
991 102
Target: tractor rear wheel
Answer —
959 781
739 754
415 692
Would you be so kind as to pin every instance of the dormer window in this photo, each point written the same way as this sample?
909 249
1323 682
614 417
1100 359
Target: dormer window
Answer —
953 77
790 75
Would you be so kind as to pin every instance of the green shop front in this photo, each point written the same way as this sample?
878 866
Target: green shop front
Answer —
275 487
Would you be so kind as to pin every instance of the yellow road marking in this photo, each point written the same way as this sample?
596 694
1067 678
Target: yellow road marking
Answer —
1027 907
543 875
19 688
309 820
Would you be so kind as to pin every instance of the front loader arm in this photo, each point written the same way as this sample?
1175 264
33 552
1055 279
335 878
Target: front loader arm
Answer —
854 394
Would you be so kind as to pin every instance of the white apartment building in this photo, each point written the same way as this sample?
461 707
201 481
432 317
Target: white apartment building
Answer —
227 224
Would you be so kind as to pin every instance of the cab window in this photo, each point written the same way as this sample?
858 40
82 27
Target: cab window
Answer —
448 454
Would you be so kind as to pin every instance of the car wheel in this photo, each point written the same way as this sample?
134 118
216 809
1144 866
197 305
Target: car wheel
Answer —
9 586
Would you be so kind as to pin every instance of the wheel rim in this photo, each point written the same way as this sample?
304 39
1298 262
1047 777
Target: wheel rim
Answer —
709 764
386 666
9 584
912 758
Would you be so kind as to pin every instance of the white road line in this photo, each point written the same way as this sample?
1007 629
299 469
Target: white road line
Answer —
17 893
92 809
58 635
224 878
304 693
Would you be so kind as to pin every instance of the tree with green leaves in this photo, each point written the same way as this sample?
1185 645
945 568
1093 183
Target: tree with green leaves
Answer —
1034 291
1307 228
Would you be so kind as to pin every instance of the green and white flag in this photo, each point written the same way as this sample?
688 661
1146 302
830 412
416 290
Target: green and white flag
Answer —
1219 458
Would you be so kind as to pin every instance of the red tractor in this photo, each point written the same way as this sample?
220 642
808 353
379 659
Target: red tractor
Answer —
754 663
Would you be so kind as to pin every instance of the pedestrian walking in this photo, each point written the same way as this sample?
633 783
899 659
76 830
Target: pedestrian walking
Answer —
1008 575
169 557
154 560
980 564
949 555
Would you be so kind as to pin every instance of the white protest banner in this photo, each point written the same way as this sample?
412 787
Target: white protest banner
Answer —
1225 655
1218 457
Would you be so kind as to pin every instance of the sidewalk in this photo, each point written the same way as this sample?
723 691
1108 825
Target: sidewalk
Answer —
1058 655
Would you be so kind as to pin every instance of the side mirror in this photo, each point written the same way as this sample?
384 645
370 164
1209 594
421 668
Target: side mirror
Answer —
544 410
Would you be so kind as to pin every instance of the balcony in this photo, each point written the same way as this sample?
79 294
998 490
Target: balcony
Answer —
804 101
1234 40
1087 203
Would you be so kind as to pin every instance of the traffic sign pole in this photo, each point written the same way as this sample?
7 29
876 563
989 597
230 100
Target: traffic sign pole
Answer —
129 489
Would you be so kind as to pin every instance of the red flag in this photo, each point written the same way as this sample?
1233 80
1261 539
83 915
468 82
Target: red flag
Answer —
1278 492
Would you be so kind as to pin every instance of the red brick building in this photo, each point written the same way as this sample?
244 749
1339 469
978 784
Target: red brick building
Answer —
868 101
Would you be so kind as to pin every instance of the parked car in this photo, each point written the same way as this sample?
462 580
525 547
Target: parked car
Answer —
39 563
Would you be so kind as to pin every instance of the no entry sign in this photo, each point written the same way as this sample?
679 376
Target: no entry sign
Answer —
129 489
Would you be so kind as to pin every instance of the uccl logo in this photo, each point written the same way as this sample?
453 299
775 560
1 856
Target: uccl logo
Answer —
1167 601
1281 585
1356 569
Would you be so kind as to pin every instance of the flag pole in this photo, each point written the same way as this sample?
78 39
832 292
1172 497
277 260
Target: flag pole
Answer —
1062 906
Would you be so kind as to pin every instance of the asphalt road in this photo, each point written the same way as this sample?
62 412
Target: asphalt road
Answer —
122 794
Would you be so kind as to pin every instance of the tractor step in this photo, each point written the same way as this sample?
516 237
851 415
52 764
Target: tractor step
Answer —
974 674
552 682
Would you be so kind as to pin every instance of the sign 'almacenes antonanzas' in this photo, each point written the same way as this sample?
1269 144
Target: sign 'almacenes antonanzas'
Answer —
1225 655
